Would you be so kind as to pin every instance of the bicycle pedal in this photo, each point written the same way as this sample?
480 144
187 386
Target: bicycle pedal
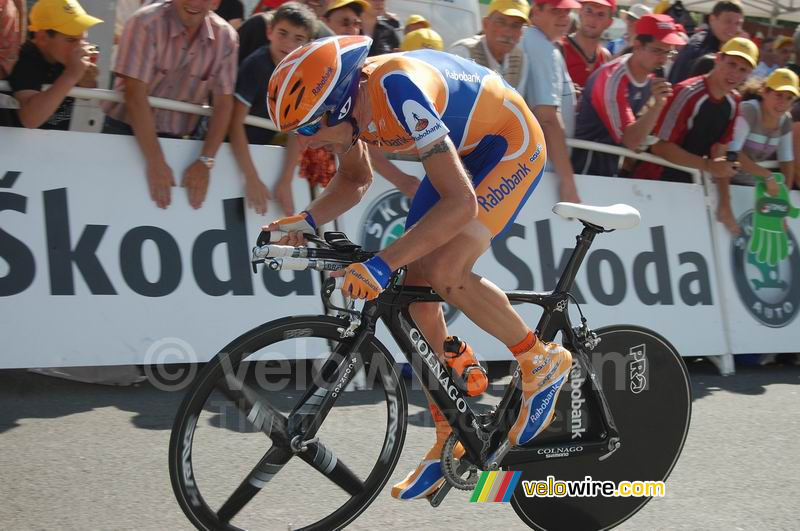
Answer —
437 497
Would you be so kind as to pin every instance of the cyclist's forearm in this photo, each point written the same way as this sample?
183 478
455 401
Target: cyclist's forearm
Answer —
384 166
348 186
341 195
457 206
437 227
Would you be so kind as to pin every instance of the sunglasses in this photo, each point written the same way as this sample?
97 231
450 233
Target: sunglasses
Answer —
311 128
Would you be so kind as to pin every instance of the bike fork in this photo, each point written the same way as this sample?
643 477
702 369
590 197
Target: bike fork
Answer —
309 414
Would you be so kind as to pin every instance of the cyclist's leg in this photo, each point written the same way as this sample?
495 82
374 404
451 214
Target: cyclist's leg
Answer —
501 195
502 185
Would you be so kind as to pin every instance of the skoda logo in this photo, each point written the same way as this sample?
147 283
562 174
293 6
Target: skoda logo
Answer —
768 284
384 222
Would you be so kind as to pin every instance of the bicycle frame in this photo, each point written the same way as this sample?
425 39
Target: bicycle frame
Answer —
477 434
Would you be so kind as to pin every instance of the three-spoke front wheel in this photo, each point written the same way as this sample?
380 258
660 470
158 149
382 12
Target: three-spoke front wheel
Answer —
234 458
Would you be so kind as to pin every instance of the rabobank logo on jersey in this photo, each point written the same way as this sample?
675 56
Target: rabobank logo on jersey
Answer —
462 76
421 122
508 184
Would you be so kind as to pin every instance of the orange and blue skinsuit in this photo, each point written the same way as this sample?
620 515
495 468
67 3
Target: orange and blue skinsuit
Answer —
420 97
417 99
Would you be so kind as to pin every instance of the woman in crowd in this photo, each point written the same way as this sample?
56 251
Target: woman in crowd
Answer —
763 129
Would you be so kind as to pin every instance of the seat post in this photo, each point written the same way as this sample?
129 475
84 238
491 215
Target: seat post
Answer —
584 241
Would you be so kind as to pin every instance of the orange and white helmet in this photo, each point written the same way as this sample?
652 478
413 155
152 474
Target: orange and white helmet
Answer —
317 78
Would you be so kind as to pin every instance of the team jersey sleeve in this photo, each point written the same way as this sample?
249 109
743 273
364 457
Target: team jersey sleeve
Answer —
412 109
671 124
610 101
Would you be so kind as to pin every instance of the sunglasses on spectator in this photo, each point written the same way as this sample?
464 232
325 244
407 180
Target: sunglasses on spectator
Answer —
311 128
658 52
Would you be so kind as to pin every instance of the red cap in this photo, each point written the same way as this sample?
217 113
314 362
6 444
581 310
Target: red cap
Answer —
608 3
561 4
661 27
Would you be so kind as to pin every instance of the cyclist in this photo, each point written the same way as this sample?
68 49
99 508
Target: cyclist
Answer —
483 152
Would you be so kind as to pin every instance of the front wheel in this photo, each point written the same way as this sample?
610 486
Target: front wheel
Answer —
647 388
232 459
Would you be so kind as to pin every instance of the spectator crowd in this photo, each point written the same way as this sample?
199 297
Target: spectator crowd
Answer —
701 94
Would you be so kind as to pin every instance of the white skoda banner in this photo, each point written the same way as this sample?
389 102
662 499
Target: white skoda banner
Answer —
659 275
93 273
760 271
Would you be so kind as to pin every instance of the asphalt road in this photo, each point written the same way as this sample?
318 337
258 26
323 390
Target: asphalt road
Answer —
78 456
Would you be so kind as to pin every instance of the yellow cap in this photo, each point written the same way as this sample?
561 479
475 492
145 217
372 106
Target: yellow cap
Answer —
781 41
63 16
741 47
336 4
512 8
415 19
784 79
422 38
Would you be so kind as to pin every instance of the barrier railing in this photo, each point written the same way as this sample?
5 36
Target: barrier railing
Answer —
205 110
156 103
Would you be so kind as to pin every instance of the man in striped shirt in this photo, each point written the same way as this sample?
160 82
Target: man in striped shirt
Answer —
179 50
616 93
697 123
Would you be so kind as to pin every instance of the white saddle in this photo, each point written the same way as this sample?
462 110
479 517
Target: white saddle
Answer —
619 216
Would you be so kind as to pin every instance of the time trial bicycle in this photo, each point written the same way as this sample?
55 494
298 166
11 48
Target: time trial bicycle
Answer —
264 441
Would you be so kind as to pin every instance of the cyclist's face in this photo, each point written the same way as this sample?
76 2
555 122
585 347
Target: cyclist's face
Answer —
344 21
335 139
502 32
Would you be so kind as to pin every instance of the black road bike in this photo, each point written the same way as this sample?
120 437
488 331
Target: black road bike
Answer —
262 440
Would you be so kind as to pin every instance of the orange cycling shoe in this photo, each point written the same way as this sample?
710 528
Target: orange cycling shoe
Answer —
544 369
428 476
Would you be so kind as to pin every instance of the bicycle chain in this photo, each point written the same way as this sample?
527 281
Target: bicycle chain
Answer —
450 467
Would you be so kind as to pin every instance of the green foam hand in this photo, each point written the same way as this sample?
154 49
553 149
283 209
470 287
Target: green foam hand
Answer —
769 242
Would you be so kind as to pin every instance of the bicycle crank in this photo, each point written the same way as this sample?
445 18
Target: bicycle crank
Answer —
454 469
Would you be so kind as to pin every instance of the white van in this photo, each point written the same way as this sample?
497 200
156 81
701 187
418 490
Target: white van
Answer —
452 19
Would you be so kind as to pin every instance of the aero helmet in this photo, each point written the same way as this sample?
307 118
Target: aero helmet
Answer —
317 78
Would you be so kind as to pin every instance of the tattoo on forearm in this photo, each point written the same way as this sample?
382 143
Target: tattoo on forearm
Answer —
441 147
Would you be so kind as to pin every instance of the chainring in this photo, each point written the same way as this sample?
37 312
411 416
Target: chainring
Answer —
453 468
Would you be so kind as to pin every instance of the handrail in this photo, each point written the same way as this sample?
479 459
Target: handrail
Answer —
156 103
264 123
625 152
